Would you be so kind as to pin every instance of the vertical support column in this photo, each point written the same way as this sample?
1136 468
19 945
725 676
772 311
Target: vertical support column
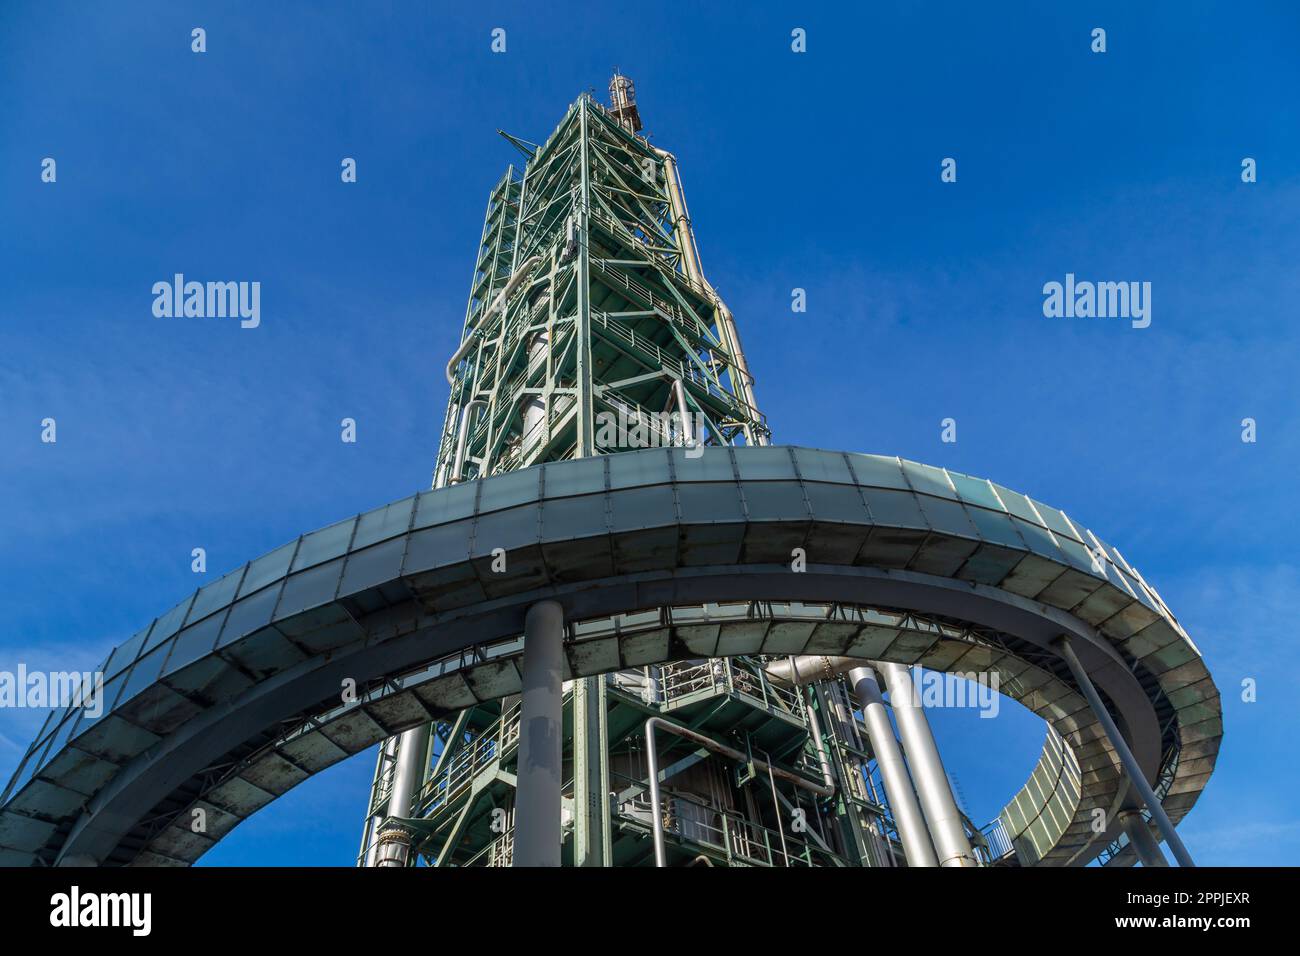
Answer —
393 843
393 848
868 839
591 825
408 776
898 786
940 806
1145 845
1137 780
586 411
537 799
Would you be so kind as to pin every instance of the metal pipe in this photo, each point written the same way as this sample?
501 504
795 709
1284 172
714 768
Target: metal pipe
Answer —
791 673
393 843
541 725
898 785
688 430
776 809
652 767
408 776
682 233
394 847
937 800
656 811
690 253
516 278
462 438
534 405
1132 770
809 668
459 355
1144 844
441 475
742 364
815 729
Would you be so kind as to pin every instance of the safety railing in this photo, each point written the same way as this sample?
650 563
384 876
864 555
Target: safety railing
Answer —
619 330
500 852
738 838
680 680
467 762
997 842
687 371
640 427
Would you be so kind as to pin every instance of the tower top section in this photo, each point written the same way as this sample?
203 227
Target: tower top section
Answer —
622 102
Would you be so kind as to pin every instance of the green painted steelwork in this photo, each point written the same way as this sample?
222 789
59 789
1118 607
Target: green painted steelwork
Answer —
605 335
609 299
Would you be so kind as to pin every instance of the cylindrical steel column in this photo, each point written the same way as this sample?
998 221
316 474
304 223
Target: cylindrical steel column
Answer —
408 775
393 848
1144 844
940 806
537 796
898 786
1132 770
392 844
815 731
535 405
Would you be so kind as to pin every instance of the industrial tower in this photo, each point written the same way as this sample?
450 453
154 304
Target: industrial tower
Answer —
591 329
624 628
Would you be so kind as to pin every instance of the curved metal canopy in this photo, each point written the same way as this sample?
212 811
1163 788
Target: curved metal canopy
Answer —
233 696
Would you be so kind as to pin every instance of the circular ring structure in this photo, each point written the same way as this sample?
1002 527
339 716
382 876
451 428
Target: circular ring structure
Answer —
232 697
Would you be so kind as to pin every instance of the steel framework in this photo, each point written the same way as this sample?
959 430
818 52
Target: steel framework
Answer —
607 313
579 647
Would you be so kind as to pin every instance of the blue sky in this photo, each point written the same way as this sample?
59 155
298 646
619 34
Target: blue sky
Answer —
818 171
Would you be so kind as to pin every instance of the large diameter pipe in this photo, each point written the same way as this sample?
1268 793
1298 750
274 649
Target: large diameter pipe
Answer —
682 232
393 846
937 800
652 768
690 253
738 350
538 801
1132 769
898 785
809 668
534 405
408 775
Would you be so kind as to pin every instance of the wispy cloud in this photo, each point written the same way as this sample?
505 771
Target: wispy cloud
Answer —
1252 843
